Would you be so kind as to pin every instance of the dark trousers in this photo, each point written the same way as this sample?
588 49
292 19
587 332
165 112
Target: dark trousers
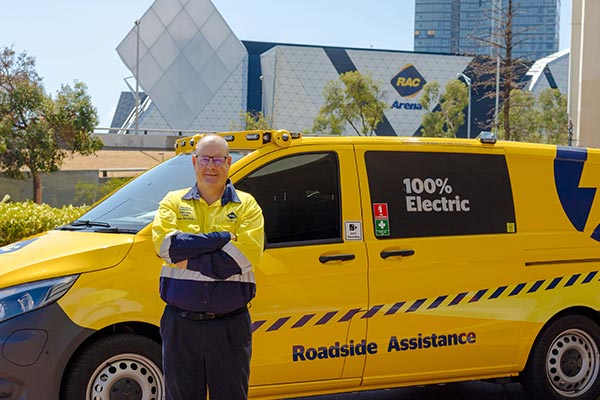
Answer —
208 355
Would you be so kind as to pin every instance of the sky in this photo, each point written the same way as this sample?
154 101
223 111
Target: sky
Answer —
76 40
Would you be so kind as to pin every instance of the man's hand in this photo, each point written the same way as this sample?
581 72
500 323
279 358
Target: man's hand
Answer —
232 236
182 264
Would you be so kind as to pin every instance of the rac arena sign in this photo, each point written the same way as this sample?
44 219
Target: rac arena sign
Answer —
408 83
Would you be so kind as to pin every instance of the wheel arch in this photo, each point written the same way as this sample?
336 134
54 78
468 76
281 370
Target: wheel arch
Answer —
564 359
588 312
592 314
144 329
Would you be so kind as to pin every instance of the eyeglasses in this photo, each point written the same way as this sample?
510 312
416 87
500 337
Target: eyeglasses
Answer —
218 161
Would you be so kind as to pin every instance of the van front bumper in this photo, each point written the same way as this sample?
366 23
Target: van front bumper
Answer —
34 351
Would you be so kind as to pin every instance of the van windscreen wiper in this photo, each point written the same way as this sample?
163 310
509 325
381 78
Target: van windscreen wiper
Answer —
82 223
97 226
114 229
87 222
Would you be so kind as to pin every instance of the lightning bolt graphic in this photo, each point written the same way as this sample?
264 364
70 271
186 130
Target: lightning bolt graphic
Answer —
576 201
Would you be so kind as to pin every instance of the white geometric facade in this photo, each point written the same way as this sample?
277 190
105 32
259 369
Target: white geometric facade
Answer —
293 82
406 116
227 104
186 53
550 72
294 78
222 112
200 77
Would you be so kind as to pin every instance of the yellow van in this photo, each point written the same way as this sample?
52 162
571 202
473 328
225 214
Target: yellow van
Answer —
389 262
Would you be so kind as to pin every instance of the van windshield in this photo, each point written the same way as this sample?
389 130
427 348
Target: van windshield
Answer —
133 206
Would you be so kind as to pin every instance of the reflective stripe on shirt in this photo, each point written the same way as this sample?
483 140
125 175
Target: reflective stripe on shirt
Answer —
239 257
166 245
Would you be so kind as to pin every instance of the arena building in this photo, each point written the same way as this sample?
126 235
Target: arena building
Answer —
200 77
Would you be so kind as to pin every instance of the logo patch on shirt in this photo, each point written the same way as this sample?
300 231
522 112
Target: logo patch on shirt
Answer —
232 216
186 213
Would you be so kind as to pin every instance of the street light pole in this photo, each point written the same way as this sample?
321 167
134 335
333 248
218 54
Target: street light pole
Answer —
262 94
497 39
468 82
137 78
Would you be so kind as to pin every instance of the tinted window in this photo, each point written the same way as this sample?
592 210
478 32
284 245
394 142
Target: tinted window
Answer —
300 199
417 194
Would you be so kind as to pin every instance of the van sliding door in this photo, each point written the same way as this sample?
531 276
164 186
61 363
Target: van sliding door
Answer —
444 262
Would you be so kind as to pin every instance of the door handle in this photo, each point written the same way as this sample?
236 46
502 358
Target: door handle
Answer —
391 253
336 257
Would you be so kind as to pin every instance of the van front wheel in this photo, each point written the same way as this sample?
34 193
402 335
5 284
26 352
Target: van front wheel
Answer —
565 361
122 366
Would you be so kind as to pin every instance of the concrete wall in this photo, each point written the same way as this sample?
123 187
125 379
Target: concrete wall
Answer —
58 188
574 67
584 110
139 142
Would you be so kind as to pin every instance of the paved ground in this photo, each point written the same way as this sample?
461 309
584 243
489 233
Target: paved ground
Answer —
452 391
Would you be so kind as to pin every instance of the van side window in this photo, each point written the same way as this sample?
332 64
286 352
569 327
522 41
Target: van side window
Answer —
300 199
420 194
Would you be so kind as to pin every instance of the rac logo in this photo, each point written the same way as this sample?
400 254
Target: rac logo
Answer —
408 82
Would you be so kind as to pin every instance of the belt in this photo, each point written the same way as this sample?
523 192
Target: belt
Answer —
200 316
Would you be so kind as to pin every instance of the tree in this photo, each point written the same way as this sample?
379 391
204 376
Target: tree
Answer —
554 117
356 100
542 121
89 193
524 118
39 131
252 121
433 121
444 110
503 40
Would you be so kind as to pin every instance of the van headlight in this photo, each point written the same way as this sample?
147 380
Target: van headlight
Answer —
20 299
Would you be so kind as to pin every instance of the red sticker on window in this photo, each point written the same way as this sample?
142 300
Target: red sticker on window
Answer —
380 210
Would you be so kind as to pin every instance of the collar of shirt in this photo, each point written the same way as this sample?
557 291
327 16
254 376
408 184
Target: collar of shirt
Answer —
229 195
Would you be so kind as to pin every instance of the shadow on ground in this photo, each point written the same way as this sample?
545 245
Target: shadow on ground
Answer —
451 391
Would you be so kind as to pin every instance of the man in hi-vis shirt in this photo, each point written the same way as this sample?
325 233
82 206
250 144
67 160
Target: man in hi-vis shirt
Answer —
210 237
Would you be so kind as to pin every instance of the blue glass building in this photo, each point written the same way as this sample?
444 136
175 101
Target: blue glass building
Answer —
454 26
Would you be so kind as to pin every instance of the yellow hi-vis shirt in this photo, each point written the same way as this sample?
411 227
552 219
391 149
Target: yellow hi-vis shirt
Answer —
219 277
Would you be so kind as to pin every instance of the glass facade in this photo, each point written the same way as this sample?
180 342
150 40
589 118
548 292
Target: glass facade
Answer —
467 26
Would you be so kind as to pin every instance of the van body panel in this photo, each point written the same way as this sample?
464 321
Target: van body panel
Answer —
388 262
98 300
36 348
59 253
438 290
313 304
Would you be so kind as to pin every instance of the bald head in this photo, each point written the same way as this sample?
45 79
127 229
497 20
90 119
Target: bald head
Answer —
215 142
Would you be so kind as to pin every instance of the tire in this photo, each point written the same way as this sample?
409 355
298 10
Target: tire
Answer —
564 362
121 366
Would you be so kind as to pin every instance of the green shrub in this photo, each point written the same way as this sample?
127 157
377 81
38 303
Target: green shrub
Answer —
89 193
20 220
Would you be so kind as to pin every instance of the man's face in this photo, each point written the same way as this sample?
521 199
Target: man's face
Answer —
211 162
